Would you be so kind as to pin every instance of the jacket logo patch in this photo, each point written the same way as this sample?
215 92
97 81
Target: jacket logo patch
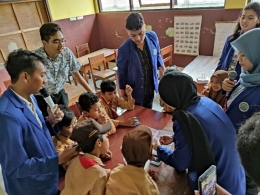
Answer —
243 107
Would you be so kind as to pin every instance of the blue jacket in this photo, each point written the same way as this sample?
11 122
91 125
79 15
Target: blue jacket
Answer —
27 156
130 68
244 105
226 57
222 138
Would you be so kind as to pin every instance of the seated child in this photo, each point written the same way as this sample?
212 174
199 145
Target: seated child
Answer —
132 178
66 125
85 174
110 101
214 90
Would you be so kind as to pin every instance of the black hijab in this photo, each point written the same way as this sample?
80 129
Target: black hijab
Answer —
177 89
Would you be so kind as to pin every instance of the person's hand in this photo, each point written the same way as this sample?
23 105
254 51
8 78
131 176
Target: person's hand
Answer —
152 174
128 123
228 85
56 117
102 118
156 144
107 155
166 139
219 190
68 154
128 90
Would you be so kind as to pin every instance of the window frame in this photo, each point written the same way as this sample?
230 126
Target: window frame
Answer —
131 7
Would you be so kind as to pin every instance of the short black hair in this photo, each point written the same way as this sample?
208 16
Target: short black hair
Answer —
49 29
107 86
88 146
68 117
21 60
248 146
134 21
86 100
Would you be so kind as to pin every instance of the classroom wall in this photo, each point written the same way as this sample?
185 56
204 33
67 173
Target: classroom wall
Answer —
113 33
81 31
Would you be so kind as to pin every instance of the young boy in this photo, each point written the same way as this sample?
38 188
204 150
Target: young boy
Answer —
85 174
132 178
91 108
110 101
66 125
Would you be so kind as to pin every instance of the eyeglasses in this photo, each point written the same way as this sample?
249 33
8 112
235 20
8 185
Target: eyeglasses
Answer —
59 41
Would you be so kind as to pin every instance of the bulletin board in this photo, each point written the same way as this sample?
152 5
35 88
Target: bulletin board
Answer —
62 9
187 34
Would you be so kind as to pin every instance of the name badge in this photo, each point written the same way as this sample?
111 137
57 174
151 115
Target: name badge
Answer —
154 52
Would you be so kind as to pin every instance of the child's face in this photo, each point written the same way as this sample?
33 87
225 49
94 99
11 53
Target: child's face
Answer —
109 96
244 62
95 111
105 145
67 130
215 84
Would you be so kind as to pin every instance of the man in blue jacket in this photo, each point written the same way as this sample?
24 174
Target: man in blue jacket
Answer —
138 60
27 156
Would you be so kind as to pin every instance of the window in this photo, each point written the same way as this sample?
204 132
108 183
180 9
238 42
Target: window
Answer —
129 5
197 3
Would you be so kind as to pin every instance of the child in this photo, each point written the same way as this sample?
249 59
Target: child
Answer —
85 174
110 101
132 178
214 90
66 125
90 104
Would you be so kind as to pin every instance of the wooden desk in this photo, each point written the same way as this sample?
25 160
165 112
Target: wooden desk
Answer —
169 181
84 61
73 92
201 65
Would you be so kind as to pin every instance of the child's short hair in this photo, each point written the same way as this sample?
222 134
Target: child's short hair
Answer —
170 69
87 133
68 116
86 100
107 86
137 146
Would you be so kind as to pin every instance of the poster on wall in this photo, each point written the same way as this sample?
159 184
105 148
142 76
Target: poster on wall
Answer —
187 34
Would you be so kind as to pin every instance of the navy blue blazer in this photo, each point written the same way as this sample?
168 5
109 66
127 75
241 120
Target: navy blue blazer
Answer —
130 68
244 105
226 57
28 158
222 139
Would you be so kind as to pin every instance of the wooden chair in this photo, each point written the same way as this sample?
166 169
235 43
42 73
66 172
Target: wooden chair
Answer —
82 48
104 74
74 107
166 53
79 50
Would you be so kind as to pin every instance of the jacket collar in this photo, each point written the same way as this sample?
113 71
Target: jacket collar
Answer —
27 113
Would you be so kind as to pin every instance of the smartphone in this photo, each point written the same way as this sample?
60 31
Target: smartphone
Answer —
207 181
155 161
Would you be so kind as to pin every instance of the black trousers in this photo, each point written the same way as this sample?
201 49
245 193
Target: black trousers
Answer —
59 98
148 101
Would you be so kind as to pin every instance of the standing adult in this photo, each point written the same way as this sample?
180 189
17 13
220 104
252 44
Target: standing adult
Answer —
27 156
249 19
138 60
203 135
60 62
243 96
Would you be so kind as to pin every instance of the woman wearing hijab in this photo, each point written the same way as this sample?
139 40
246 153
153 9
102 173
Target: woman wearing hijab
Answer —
203 135
214 91
244 96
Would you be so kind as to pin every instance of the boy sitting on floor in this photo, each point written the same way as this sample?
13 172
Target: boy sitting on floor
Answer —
110 101
85 174
132 178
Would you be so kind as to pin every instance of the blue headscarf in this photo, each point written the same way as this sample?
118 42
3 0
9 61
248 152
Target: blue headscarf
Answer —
249 45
